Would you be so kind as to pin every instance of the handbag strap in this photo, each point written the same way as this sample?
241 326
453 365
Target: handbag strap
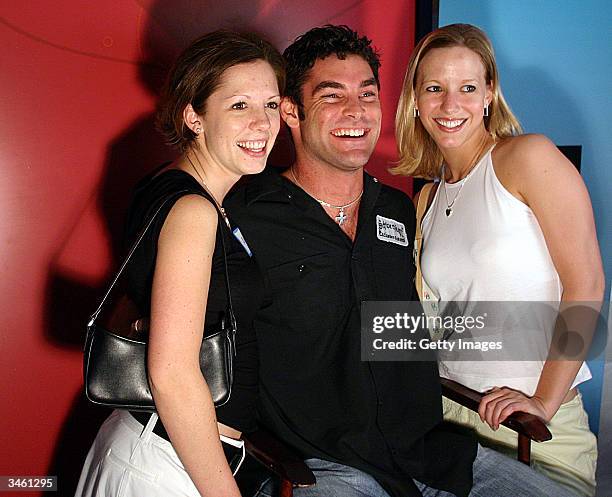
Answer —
141 235
422 204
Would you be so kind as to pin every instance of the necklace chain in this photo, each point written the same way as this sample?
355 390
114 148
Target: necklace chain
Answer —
341 217
449 206
221 209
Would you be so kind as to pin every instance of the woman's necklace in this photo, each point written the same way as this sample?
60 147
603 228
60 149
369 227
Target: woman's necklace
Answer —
342 216
221 209
449 206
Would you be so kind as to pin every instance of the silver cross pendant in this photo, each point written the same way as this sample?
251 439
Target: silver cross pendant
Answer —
341 217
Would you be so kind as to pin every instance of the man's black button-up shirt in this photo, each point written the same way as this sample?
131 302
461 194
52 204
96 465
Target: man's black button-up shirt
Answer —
315 392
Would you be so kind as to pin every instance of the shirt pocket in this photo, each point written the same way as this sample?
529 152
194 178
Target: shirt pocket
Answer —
305 292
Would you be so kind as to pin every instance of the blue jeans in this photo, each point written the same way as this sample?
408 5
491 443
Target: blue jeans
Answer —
495 475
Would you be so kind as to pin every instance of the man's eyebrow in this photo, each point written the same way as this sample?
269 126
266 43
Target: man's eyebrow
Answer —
339 86
369 82
327 84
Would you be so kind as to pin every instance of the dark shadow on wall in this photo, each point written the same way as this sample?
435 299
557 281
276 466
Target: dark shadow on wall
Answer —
70 302
73 442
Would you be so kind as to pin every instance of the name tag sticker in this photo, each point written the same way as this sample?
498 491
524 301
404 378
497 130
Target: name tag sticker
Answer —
238 235
390 230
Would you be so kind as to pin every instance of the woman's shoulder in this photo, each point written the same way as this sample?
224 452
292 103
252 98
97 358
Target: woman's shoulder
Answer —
529 161
523 150
164 181
177 189
522 155
192 207
191 222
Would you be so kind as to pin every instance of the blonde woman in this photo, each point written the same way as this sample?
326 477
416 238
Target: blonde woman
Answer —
497 229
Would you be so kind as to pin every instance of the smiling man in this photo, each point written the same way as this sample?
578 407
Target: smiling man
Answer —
328 236
333 111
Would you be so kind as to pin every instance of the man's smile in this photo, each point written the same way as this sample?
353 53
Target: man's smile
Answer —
350 132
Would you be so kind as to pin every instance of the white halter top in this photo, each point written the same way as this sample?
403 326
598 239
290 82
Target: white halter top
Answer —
491 248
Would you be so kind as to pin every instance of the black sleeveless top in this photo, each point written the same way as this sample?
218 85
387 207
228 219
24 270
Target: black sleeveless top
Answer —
246 284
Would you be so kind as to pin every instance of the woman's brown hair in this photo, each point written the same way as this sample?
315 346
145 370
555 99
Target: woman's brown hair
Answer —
197 74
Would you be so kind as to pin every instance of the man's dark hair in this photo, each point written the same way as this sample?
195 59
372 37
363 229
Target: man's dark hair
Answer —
319 43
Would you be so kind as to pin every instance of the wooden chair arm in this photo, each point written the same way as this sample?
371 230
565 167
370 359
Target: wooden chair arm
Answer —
524 424
278 458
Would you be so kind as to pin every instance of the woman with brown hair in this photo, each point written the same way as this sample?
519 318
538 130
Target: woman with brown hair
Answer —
496 230
220 109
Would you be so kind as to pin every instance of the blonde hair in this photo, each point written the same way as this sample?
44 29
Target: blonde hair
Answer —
419 155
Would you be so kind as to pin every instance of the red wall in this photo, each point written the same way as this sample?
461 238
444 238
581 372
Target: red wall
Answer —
78 84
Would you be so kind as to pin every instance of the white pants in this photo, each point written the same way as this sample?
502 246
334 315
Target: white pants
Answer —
126 460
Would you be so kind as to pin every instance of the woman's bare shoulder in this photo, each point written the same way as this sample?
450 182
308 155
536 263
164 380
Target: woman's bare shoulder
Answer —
523 150
529 163
192 220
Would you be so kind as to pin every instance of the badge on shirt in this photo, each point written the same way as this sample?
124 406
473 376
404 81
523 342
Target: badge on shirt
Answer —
238 235
390 230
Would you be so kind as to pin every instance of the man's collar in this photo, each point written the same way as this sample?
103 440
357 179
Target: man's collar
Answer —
371 190
269 186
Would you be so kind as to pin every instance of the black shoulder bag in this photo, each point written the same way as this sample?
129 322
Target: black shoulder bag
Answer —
114 363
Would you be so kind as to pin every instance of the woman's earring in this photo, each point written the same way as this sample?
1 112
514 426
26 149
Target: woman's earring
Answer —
198 131
486 111
415 112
